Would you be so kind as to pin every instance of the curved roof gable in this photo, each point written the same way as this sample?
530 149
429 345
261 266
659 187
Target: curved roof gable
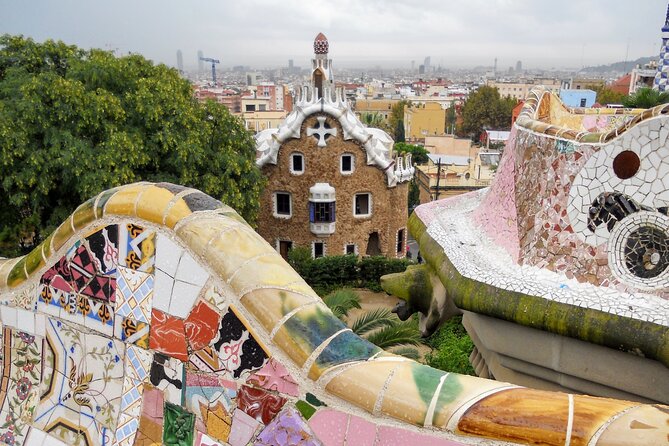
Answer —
377 144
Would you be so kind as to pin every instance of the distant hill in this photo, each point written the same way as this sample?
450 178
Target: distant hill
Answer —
619 66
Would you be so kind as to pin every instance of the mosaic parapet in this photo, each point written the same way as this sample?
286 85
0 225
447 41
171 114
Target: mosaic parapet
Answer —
543 112
571 238
577 321
155 314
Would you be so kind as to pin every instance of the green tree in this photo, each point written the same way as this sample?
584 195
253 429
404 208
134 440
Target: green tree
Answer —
396 120
646 98
75 122
418 153
607 96
451 119
486 109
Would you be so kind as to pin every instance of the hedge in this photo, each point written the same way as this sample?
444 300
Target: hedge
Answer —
326 273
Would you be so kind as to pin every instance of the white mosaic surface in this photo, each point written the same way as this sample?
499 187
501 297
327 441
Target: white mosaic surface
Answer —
650 185
476 257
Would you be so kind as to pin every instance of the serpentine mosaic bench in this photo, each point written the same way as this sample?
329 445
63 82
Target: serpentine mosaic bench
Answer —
156 315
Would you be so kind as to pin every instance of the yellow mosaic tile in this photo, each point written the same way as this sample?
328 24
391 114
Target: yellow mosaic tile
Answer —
153 203
176 212
269 305
590 413
235 246
84 214
641 425
5 267
61 235
272 268
123 201
410 392
199 232
362 383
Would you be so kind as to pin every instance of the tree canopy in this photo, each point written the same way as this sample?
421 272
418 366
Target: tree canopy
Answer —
418 153
75 122
646 98
606 96
486 109
396 119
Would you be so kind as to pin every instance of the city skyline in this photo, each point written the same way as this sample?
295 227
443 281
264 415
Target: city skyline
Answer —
385 33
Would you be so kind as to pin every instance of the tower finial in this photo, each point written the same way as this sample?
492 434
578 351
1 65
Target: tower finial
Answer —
321 45
666 20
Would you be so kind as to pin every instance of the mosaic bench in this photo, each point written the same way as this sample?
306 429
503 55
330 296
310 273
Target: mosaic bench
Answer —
156 315
561 267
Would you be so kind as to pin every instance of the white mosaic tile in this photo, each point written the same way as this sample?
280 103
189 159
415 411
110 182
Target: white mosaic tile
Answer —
476 257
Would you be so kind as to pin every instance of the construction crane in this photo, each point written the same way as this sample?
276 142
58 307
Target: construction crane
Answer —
213 66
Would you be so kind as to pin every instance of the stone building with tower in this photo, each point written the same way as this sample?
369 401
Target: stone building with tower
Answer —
333 185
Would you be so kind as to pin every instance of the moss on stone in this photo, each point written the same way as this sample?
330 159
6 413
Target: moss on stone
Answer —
595 326
413 286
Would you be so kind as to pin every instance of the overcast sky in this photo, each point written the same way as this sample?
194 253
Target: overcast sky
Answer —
362 33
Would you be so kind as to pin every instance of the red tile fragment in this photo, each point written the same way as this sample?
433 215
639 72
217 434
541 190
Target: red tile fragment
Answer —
258 403
202 325
168 335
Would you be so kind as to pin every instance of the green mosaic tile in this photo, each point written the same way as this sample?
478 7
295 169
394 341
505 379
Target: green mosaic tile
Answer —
34 260
17 275
346 347
178 426
103 198
311 399
84 214
306 409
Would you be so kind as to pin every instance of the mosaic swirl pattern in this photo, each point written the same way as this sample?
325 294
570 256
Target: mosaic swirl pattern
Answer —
155 315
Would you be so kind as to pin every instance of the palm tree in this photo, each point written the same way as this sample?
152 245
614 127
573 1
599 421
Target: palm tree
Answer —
646 98
380 326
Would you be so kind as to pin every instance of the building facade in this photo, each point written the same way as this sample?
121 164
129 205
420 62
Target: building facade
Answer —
333 184
521 88
421 120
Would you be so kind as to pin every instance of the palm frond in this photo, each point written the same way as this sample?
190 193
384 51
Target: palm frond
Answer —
399 333
407 352
371 320
342 301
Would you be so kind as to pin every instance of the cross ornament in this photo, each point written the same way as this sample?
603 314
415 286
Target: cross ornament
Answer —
321 131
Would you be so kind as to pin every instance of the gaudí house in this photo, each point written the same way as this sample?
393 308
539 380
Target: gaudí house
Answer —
333 184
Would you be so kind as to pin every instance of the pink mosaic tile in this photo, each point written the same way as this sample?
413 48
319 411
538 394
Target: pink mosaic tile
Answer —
330 426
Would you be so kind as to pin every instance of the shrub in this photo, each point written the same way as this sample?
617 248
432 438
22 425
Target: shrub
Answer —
451 348
331 272
372 268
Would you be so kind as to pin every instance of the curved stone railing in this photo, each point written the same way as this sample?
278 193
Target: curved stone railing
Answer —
533 117
155 312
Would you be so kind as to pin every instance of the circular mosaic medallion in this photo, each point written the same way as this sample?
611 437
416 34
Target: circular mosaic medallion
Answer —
639 250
